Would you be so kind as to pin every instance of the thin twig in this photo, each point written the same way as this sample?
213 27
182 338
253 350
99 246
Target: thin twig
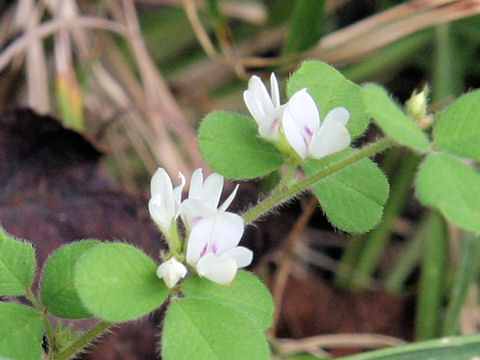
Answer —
198 29
283 272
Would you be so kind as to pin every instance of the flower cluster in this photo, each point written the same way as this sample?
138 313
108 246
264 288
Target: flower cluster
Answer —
212 232
297 122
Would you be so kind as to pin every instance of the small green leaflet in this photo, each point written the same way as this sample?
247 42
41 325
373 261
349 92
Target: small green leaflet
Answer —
453 188
247 294
231 146
21 332
17 265
330 89
353 197
57 289
392 120
118 282
202 329
457 130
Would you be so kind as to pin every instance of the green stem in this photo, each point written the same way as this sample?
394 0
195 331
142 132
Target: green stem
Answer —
44 315
83 341
465 272
432 278
280 196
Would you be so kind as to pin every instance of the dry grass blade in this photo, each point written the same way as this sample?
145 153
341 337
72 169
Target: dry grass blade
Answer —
50 27
198 29
360 39
162 108
363 341
36 67
255 13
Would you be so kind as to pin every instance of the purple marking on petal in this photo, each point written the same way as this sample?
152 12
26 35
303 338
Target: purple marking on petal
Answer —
305 140
204 250
274 124
196 219
214 248
308 131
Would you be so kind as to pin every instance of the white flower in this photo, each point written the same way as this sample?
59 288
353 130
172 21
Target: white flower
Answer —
164 205
265 108
212 247
171 271
203 198
301 126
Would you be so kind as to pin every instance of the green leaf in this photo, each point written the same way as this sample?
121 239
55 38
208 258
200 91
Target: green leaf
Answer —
457 130
452 187
353 197
200 329
305 25
21 332
117 282
449 348
231 146
330 89
246 294
304 357
392 120
57 290
17 265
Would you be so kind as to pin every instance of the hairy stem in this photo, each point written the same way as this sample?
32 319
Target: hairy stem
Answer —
83 341
284 194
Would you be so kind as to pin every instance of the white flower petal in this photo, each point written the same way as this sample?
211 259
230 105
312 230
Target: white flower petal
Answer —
332 137
161 212
275 90
339 114
242 256
171 271
161 184
229 200
253 106
177 194
194 210
196 185
212 190
220 271
214 233
304 111
270 124
294 135
255 84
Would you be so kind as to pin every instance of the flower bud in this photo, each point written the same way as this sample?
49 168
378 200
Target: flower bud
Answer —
417 104
171 271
